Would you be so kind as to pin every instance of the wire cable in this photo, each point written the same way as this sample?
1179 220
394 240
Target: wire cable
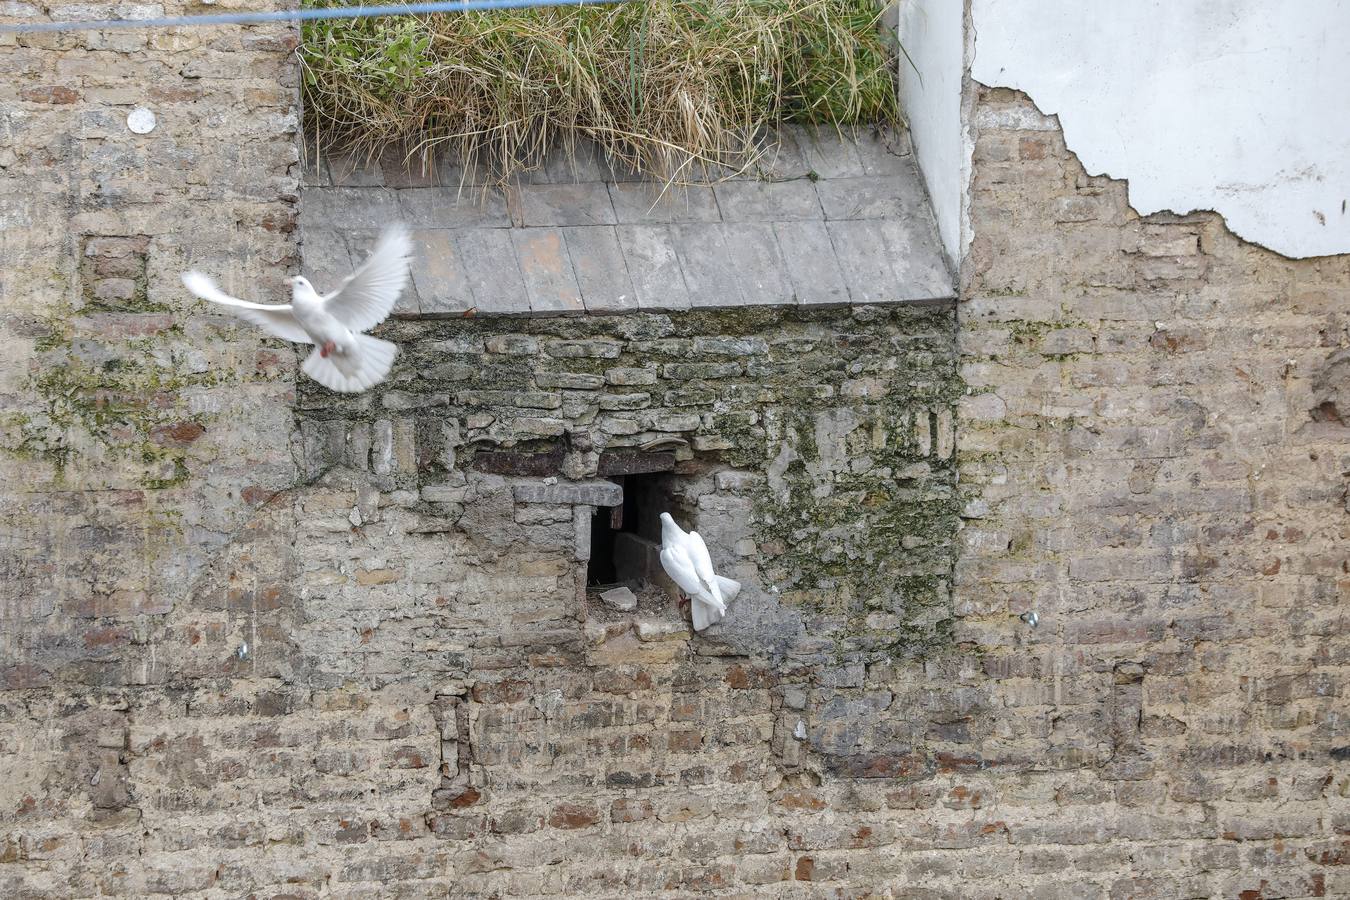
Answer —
293 15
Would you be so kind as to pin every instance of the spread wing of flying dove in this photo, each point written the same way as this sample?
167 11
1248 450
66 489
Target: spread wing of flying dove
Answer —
344 359
685 558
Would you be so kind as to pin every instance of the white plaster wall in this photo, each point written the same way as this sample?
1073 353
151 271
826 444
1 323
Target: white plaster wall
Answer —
932 32
1239 106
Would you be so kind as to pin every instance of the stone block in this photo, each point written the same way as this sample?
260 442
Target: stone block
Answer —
650 203
635 462
578 493
598 264
547 270
581 528
524 399
620 599
586 203
625 401
512 344
654 267
769 201
576 381
727 346
631 377
593 348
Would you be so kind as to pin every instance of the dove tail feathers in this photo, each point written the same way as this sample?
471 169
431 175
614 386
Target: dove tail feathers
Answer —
365 364
704 614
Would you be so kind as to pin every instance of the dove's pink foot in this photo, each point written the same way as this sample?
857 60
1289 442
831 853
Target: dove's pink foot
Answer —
327 348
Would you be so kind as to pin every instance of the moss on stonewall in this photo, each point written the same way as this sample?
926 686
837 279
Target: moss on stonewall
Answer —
117 402
861 531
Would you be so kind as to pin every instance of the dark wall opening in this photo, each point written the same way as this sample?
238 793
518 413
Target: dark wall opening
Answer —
601 569
626 539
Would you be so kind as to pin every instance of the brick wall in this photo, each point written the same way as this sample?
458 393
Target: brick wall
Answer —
1161 481
257 646
136 433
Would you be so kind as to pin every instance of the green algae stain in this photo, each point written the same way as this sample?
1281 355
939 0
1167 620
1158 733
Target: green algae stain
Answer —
112 393
847 413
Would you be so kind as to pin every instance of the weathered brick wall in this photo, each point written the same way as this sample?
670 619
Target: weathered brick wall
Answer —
258 647
1162 481
137 434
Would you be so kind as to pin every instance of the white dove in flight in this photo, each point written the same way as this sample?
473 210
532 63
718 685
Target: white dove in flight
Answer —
685 558
344 359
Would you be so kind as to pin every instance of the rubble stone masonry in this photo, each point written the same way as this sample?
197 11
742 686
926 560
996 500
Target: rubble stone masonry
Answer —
259 641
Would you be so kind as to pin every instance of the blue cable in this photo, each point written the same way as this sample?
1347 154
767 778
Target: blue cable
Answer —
294 15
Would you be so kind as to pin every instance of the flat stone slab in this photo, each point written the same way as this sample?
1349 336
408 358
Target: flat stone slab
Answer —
574 493
621 599
822 221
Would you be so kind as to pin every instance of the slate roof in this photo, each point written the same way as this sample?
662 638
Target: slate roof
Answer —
824 221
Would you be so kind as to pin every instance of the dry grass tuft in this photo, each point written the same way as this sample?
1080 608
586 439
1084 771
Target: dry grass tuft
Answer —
681 90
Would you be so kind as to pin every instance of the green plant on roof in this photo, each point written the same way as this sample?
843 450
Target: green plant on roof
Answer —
681 90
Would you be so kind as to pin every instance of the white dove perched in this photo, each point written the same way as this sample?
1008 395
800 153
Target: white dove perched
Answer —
345 359
685 558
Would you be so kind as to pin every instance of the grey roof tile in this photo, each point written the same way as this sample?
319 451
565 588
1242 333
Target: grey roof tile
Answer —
862 254
489 258
449 207
783 156
360 243
547 270
890 197
915 256
859 230
451 170
828 154
564 204
645 203
869 254
408 172
768 201
350 207
811 266
884 152
653 266
324 257
439 273
709 271
587 162
752 251
345 170
313 170
600 270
